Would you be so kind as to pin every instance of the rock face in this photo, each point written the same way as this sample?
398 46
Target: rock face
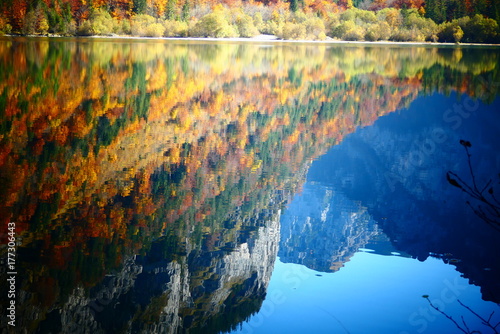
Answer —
204 291
322 228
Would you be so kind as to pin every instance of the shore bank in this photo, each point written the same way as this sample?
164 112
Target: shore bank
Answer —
271 39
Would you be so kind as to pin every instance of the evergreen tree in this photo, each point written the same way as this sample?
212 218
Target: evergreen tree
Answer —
436 10
185 10
171 5
140 6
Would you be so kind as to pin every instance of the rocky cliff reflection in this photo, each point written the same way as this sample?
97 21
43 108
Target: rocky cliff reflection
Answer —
204 290
322 228
397 169
146 179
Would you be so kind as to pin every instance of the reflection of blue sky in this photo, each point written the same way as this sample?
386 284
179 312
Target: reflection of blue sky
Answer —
371 294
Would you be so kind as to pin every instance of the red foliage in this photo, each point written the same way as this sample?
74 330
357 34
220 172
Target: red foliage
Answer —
408 4
79 10
19 8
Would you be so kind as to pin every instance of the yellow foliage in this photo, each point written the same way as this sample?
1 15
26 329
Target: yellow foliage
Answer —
156 77
219 8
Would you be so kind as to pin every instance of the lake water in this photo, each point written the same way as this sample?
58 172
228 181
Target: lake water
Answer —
160 186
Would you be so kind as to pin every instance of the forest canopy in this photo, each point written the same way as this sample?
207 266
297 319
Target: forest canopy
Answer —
451 21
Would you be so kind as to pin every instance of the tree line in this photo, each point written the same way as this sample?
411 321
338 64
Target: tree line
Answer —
371 20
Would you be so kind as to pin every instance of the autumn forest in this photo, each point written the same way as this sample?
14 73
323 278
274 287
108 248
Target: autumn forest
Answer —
452 21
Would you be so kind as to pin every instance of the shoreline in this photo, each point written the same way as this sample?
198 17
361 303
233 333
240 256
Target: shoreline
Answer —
271 39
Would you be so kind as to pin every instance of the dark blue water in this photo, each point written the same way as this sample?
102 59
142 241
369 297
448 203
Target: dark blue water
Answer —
377 226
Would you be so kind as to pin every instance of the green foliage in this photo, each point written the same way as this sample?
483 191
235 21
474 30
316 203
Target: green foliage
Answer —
341 28
297 17
272 28
331 22
154 30
146 25
425 26
447 29
61 23
348 15
359 16
139 6
481 30
214 25
186 8
477 29
349 31
436 10
43 26
124 27
407 35
30 23
35 20
102 23
315 28
85 29
380 31
293 31
5 28
258 21
299 26
356 34
245 25
175 29
458 34
171 9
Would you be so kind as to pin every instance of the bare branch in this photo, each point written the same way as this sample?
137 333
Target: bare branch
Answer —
446 315
484 321
485 186
490 212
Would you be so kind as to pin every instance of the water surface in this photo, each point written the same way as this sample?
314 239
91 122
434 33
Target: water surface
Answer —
184 187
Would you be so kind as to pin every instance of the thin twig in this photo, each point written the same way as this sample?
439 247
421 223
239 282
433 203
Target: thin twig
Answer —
490 213
480 213
495 199
336 319
464 186
446 315
465 324
470 169
485 186
485 322
491 315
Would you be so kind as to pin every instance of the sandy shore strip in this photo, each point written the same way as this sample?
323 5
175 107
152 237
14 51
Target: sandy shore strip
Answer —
275 39
269 40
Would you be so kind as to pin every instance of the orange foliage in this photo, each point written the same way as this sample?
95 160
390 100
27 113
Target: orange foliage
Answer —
95 153
19 9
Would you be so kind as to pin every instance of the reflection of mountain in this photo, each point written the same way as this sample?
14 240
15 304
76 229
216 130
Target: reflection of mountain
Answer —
322 229
200 291
115 150
397 168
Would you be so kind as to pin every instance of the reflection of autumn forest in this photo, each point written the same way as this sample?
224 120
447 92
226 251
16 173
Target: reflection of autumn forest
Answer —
105 147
